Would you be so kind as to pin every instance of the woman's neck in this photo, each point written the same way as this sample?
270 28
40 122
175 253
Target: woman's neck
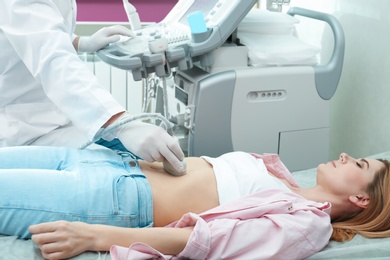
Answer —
340 206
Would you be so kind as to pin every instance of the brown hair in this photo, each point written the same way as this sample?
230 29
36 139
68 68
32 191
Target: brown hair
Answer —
373 221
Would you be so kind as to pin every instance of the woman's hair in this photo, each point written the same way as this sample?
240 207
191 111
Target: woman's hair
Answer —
373 221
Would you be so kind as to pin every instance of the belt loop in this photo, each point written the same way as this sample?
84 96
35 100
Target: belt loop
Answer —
126 156
131 163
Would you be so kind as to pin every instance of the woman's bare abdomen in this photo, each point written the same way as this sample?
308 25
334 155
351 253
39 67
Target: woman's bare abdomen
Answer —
196 191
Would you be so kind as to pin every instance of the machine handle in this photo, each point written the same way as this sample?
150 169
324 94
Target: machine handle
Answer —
119 60
327 76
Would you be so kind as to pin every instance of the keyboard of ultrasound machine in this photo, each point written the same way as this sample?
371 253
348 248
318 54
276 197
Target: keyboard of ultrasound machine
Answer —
175 34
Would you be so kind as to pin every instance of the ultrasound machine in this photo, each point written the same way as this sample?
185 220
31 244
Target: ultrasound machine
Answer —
217 100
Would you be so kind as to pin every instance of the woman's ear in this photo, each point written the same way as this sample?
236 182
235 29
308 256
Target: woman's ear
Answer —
360 200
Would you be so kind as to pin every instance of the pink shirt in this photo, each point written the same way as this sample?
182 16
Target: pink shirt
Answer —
270 224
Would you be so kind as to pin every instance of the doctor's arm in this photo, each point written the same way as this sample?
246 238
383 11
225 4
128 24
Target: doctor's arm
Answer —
61 239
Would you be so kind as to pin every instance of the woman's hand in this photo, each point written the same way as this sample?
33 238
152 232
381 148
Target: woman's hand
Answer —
62 239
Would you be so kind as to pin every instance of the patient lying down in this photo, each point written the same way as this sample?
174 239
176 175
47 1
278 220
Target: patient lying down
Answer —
237 206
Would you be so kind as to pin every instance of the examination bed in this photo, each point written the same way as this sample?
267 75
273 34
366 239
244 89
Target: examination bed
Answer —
12 248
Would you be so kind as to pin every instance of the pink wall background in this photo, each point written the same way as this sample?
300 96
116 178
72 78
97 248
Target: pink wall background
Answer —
113 11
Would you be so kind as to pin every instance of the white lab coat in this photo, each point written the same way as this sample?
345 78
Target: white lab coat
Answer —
47 94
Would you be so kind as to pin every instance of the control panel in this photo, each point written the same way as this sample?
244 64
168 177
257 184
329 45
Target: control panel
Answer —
171 43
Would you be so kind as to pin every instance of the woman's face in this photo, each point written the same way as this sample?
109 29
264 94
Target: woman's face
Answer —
347 175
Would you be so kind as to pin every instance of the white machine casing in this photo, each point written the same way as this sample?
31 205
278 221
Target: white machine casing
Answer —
256 109
232 106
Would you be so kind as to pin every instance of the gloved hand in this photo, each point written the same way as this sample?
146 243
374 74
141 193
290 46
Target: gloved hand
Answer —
151 143
102 38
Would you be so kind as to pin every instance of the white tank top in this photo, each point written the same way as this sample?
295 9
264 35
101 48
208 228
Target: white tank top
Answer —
239 174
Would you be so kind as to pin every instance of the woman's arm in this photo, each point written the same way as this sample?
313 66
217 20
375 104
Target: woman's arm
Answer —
62 239
169 241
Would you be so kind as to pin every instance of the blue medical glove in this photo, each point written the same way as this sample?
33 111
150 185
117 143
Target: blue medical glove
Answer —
102 38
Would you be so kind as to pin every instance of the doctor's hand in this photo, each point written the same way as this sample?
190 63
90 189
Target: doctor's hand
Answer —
102 38
151 143
62 239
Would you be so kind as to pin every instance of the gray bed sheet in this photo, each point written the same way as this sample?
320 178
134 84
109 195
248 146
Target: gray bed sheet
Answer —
12 248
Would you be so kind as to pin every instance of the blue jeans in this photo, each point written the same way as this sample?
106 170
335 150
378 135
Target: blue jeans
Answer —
43 184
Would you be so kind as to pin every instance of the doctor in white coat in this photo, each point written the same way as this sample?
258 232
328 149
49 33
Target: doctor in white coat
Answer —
48 96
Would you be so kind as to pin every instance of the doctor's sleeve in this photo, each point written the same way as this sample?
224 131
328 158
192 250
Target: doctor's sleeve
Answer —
42 38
